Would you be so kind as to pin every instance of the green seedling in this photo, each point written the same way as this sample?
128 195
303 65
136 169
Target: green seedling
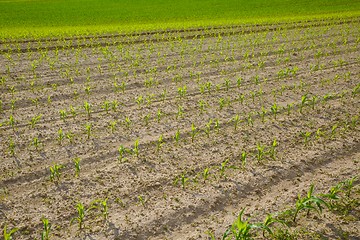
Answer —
88 130
306 136
87 107
12 121
249 120
304 99
112 126
127 122
81 215
9 235
241 98
260 152
114 105
236 121
158 115
184 180
243 157
45 235
217 125
208 128
70 137
106 106
11 147
139 100
177 136
194 132
102 206
274 110
122 150
35 120
147 119
288 108
202 106
262 114
265 226
309 202
272 151
142 200
36 143
60 136
136 148
73 111
55 172
313 102
159 143
180 112
206 174
333 131
240 229
77 166
63 114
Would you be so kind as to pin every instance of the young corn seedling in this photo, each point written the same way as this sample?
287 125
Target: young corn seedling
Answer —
87 107
12 122
127 122
309 202
177 136
304 99
217 125
206 174
306 136
272 151
81 215
236 121
112 126
142 200
35 120
63 114
333 131
36 143
45 235
260 152
202 106
313 102
265 226
194 132
159 143
288 108
9 235
102 206
243 159
88 130
77 166
223 167
136 148
274 110
139 100
262 114
60 136
240 229
208 128
158 115
114 105
249 120
180 112
106 106
183 180
11 147
55 172
122 150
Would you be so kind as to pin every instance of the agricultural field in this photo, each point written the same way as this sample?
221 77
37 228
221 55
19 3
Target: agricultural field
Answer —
243 131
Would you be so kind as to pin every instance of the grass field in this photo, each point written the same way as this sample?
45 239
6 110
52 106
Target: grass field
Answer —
59 17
